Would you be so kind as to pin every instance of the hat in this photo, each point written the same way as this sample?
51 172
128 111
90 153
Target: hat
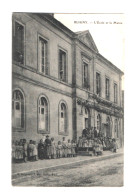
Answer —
47 136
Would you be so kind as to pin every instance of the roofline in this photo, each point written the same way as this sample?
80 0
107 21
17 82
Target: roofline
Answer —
72 34
56 23
107 61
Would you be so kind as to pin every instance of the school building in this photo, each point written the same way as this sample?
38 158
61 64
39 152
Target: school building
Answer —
60 82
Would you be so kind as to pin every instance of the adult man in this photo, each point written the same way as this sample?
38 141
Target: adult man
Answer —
48 147
95 133
84 132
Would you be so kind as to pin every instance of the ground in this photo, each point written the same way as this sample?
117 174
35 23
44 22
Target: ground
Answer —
107 172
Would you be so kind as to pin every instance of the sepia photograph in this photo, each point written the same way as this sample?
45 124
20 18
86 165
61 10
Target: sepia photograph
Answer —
67 100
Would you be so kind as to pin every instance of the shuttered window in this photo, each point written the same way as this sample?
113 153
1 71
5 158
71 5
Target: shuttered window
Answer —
107 88
43 56
98 84
62 65
85 75
18 43
115 93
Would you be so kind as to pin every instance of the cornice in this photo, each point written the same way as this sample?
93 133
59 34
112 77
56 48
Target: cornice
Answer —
100 108
37 83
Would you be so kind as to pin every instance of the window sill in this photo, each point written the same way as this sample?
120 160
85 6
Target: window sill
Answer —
63 133
40 131
18 129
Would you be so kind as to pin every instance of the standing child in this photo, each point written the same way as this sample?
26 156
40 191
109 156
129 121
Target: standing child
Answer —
114 145
69 145
35 151
73 148
53 148
25 145
80 142
64 147
59 150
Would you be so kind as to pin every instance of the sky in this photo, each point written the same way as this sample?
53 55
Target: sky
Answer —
107 31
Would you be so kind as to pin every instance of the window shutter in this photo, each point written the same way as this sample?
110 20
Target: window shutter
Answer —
64 66
22 115
60 64
46 59
19 43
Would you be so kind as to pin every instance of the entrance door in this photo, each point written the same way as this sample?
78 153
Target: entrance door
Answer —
108 130
86 122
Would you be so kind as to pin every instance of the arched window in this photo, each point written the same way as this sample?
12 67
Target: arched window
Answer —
43 117
116 128
18 109
98 122
62 118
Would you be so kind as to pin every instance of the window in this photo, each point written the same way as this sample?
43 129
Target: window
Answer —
107 88
43 56
43 117
86 118
62 65
85 75
62 118
98 122
115 93
18 110
98 90
116 128
18 43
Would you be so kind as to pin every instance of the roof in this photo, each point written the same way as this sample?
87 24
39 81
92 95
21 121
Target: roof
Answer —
83 36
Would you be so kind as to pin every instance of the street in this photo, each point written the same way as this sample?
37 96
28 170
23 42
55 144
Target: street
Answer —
107 173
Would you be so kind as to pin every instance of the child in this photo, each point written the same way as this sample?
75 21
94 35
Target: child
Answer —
69 146
73 148
64 147
114 145
80 142
30 149
53 149
59 150
35 151
41 149
85 143
25 149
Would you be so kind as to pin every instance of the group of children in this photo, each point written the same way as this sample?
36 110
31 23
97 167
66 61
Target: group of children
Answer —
97 145
49 149
46 149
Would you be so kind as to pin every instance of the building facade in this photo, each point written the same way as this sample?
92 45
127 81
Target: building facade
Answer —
61 83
